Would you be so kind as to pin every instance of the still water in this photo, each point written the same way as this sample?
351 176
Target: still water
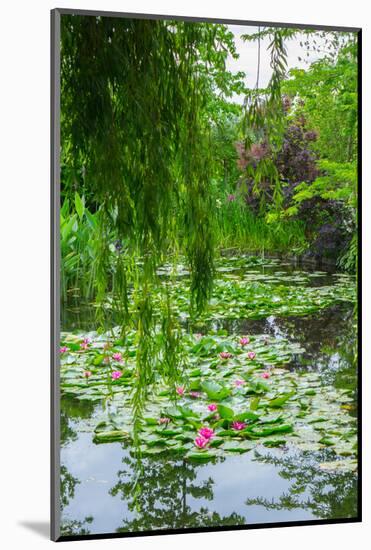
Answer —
105 490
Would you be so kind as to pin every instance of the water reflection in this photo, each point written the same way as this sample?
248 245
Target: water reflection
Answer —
326 494
68 485
163 493
72 410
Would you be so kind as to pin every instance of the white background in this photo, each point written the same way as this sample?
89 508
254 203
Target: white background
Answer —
24 270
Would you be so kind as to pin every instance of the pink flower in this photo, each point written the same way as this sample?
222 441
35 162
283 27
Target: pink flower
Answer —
238 425
251 355
206 433
212 407
265 375
180 390
87 374
164 420
239 383
116 374
117 357
63 349
231 198
244 341
85 343
201 442
225 355
194 394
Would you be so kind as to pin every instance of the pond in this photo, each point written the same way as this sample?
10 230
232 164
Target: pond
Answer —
305 474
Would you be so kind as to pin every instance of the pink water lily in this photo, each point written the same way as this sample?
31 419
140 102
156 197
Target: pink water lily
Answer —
201 442
180 390
244 341
63 349
117 357
85 343
206 433
265 375
194 394
225 355
239 383
87 374
238 425
116 374
212 407
251 355
164 420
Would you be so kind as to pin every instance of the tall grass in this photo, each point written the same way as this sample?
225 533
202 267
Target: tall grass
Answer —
238 226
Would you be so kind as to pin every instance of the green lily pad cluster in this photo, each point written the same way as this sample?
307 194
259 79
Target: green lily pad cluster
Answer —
253 288
235 394
251 299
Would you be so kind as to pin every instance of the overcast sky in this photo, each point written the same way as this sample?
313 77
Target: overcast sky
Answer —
248 60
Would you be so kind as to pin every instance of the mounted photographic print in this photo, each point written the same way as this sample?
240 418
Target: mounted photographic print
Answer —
205 262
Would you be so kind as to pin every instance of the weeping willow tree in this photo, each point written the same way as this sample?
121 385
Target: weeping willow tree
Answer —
135 139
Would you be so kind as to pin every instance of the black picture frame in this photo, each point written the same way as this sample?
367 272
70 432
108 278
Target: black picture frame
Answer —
55 274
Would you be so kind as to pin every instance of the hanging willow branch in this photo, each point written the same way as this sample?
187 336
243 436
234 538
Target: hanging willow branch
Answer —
264 120
132 101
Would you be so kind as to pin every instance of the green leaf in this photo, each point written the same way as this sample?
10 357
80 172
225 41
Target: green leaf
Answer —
200 456
281 400
98 359
274 442
254 404
79 205
215 391
151 421
110 436
284 428
225 412
195 372
235 447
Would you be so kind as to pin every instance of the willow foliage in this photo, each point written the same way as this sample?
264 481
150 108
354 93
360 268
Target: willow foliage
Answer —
135 141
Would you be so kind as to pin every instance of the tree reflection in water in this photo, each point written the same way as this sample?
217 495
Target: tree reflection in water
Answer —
67 486
159 495
70 411
326 494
